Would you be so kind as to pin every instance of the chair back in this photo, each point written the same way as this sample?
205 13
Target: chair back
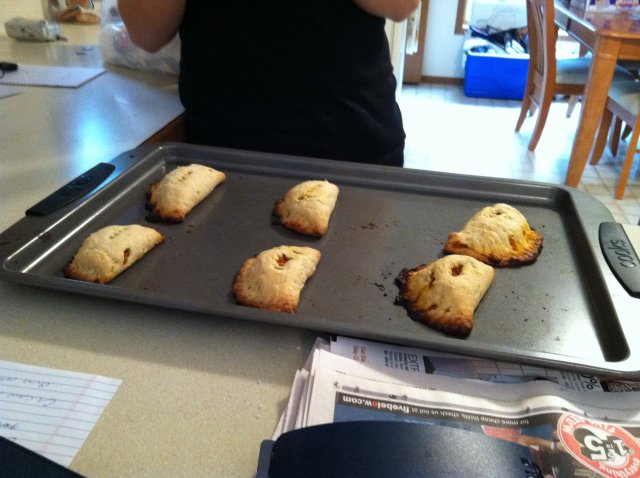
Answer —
543 35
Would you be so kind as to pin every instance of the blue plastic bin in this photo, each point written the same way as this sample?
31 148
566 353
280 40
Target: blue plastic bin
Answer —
495 76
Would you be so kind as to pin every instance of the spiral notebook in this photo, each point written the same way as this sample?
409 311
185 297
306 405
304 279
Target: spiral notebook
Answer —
54 76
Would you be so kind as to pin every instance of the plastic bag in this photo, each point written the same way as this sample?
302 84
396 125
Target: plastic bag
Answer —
117 48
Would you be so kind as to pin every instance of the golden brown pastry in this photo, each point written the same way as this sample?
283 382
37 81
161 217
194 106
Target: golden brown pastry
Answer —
181 190
498 235
110 251
307 207
445 293
274 278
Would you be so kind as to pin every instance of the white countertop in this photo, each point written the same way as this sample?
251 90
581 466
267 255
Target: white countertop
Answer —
199 393
51 135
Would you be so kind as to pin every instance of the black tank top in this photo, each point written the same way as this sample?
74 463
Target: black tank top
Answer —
304 77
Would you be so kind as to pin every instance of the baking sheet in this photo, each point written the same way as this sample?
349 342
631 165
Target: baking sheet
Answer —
566 310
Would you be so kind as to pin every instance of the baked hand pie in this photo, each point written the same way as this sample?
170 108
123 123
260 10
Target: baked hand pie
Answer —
181 190
498 235
274 278
445 293
307 207
109 251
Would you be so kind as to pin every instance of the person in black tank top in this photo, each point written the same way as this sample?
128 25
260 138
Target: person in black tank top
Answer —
309 77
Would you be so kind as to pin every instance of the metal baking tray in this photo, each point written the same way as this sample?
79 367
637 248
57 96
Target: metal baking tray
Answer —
566 310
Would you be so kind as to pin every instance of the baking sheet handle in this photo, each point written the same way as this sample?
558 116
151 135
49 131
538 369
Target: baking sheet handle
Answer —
621 256
72 190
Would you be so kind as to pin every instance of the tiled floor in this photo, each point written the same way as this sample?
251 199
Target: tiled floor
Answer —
447 131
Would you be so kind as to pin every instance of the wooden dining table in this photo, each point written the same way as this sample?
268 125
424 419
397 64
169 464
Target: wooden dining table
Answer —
610 36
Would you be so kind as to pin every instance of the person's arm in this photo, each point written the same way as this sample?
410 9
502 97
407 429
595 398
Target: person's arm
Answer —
396 10
151 24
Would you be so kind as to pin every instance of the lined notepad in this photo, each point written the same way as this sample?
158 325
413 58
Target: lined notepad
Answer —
41 75
51 411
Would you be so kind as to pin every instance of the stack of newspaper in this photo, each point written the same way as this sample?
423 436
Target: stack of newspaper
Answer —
573 424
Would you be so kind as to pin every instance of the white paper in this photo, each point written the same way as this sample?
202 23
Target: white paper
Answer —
317 398
49 411
59 76
336 375
398 360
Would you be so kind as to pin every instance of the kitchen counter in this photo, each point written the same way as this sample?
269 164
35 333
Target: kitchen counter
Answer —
198 393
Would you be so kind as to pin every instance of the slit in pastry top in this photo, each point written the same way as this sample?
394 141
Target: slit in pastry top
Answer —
275 278
182 189
445 293
109 251
497 235
307 207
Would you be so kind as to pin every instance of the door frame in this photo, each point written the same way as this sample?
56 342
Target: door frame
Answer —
412 73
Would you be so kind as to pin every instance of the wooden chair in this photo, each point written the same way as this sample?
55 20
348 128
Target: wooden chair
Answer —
624 105
547 75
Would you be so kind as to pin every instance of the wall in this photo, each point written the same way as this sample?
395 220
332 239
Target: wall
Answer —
443 48
443 55
30 9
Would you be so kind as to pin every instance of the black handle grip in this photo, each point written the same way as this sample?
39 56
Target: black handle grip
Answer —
621 256
72 190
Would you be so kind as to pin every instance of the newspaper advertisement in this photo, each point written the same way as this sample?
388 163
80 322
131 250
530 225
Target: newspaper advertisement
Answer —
407 360
567 432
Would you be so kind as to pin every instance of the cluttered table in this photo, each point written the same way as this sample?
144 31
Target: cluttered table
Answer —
611 36
198 393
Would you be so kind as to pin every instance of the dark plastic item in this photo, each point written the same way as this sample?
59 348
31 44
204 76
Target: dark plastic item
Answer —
392 449
73 190
17 461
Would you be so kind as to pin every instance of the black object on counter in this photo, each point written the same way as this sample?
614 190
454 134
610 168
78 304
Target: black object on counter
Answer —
20 462
72 190
391 449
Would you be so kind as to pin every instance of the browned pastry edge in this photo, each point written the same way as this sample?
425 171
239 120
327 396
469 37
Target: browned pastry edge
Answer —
458 326
174 216
238 286
528 256
298 226
178 213
74 271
